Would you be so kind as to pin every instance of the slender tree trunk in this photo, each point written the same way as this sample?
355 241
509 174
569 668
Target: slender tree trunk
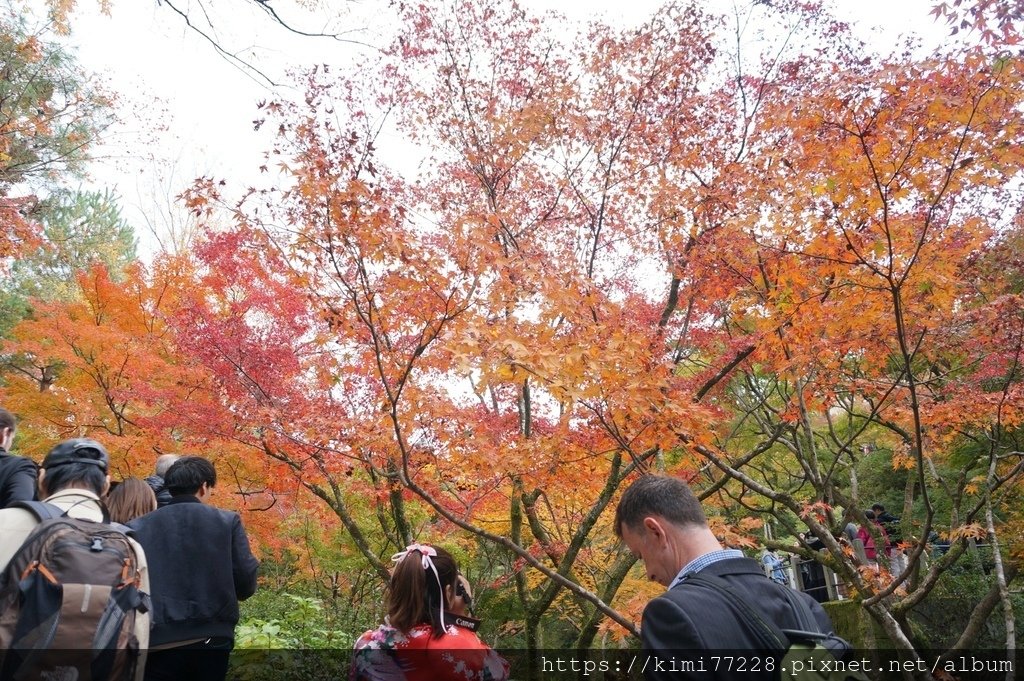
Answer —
1004 593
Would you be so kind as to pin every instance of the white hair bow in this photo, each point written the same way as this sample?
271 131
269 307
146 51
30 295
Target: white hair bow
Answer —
427 553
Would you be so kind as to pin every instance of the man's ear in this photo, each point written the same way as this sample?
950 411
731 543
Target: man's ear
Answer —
106 486
654 526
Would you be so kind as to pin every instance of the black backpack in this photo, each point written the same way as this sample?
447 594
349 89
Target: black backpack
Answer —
69 600
804 654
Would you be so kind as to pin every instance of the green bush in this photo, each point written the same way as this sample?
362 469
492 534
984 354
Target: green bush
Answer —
284 635
303 624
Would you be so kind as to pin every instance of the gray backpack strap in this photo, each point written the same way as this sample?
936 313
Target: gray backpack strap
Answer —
41 509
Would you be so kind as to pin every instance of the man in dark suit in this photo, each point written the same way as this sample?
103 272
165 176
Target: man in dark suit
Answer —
17 474
200 567
688 626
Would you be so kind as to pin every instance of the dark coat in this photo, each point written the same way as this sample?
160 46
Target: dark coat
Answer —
17 479
891 524
200 566
692 620
163 495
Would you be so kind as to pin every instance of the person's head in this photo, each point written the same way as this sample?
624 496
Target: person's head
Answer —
423 584
7 428
877 509
75 464
870 515
190 475
130 499
164 462
662 522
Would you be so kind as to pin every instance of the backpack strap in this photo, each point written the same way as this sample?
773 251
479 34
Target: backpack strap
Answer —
41 509
123 529
44 511
767 631
804 616
778 638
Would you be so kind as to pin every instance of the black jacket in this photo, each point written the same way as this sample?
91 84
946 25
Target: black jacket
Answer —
200 566
891 524
17 479
691 623
163 495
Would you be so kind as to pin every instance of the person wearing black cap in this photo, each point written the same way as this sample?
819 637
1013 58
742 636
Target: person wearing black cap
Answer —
73 477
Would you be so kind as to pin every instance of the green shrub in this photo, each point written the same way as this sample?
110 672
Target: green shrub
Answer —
284 635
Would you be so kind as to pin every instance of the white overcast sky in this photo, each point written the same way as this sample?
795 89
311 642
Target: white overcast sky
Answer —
189 112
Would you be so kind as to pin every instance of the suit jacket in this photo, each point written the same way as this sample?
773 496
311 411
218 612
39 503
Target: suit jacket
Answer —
200 566
693 622
17 479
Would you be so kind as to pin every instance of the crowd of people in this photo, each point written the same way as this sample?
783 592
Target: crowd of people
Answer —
885 528
185 565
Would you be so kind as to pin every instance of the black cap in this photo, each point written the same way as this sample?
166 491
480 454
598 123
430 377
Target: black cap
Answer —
79 450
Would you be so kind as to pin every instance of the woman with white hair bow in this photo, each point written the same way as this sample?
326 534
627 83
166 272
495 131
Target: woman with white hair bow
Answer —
426 634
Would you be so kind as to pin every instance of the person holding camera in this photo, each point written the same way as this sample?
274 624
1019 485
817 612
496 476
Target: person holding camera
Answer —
427 633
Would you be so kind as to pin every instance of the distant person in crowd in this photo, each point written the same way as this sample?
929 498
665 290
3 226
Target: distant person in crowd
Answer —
849 532
130 499
774 566
662 523
201 567
887 520
894 535
427 634
848 528
17 474
870 549
156 481
813 580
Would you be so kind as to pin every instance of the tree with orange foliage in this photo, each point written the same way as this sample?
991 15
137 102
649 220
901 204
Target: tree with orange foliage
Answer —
629 251
616 249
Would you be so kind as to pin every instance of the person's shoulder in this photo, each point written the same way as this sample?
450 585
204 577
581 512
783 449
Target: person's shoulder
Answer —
15 463
227 517
686 596
17 516
190 505
374 638
22 462
459 638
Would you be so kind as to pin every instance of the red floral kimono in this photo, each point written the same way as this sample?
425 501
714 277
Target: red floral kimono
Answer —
386 654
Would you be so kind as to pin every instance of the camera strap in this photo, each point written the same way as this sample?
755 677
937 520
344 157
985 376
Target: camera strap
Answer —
463 621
